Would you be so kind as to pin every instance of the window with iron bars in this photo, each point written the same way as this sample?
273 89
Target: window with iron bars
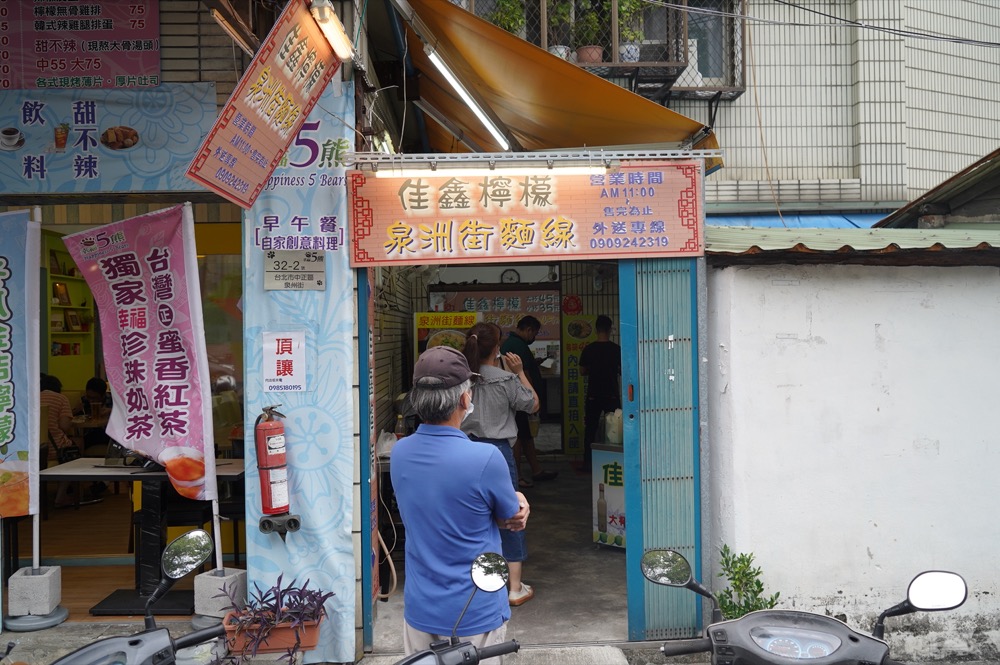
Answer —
687 48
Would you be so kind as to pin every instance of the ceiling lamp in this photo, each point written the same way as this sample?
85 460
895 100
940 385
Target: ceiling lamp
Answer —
333 29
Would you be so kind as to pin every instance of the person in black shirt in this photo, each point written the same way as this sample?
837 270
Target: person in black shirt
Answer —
601 363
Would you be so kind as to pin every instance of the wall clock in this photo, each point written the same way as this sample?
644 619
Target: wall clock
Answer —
510 276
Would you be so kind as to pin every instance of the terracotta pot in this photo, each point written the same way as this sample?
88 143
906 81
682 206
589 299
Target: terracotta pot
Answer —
279 640
589 54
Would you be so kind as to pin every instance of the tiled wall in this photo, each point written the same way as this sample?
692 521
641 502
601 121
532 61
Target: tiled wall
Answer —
852 112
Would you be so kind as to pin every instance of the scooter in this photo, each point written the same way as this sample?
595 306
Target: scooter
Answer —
772 637
489 573
183 555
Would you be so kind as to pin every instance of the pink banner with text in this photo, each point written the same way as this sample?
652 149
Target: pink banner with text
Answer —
144 277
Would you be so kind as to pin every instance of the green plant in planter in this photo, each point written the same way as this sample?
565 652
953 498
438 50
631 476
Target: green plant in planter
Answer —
745 592
630 20
508 14
290 606
559 14
586 29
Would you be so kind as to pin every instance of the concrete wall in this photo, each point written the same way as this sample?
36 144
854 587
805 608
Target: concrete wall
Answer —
853 440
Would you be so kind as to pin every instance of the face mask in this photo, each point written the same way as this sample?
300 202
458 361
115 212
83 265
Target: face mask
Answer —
468 412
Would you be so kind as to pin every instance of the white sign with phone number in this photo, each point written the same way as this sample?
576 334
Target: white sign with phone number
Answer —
284 361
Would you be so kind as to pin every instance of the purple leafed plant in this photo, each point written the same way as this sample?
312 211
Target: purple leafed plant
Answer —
290 605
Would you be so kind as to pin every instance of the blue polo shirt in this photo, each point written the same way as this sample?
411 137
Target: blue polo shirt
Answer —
450 492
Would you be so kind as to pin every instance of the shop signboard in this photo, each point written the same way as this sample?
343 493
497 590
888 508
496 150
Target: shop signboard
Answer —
432 329
19 364
642 209
143 273
577 331
49 44
268 107
503 306
102 141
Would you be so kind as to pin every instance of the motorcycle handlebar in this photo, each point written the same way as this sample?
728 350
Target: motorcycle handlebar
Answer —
495 650
199 636
681 647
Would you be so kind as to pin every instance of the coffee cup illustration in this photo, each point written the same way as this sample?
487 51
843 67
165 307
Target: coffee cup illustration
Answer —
10 136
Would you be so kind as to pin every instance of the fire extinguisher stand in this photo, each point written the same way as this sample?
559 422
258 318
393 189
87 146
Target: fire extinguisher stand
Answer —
272 468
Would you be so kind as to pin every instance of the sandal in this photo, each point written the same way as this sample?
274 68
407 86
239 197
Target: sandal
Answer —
524 483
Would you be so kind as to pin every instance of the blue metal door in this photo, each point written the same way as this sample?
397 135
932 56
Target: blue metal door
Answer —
659 333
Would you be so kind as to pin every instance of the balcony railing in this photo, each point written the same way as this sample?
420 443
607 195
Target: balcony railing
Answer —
680 48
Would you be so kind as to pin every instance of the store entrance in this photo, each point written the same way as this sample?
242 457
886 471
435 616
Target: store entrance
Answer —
579 584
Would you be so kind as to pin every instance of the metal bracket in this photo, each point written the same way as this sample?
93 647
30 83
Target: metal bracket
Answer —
713 108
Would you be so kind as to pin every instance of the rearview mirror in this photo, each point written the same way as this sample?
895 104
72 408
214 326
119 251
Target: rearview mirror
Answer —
937 590
186 553
666 567
490 572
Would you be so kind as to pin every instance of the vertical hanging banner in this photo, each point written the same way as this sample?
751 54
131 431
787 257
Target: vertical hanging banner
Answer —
267 109
144 277
578 331
19 364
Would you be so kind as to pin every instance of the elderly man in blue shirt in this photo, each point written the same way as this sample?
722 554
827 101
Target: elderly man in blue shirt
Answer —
452 494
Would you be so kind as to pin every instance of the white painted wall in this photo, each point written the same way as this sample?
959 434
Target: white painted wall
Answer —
853 439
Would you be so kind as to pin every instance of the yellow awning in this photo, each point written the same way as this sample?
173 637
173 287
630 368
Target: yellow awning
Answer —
546 102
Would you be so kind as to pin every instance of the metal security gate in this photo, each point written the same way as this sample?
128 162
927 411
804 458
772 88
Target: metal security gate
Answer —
659 333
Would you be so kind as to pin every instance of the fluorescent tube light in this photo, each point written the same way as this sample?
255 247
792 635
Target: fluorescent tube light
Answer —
333 29
452 170
232 32
467 98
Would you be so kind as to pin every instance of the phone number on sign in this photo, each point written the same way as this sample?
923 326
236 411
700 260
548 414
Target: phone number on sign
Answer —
273 388
618 242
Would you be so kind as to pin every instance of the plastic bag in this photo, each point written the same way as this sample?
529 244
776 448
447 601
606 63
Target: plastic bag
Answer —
613 427
384 443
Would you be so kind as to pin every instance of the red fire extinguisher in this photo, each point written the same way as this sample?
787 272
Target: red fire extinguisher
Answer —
269 434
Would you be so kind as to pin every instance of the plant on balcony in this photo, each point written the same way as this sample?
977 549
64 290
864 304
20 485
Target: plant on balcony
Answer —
509 15
586 37
559 15
630 32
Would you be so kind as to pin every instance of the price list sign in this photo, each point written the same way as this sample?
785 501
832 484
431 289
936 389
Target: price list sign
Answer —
79 44
292 270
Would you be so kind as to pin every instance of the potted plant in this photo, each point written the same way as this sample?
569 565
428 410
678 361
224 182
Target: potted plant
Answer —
509 15
559 17
630 33
586 33
283 617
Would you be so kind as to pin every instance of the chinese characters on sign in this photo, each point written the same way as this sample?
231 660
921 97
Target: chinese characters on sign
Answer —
149 303
267 108
95 44
609 487
577 332
284 361
505 308
643 209
92 141
19 426
294 270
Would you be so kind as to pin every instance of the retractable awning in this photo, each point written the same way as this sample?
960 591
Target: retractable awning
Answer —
543 101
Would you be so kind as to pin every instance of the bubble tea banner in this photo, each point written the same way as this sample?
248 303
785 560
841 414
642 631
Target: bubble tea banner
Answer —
144 277
19 366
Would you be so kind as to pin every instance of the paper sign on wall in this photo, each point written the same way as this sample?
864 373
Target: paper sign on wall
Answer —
284 361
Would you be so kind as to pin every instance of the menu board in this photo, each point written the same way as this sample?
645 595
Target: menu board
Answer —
79 44
504 307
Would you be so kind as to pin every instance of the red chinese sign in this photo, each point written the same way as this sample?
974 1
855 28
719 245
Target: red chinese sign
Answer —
79 44
267 108
643 209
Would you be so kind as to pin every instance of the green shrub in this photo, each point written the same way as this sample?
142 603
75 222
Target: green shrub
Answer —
745 592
